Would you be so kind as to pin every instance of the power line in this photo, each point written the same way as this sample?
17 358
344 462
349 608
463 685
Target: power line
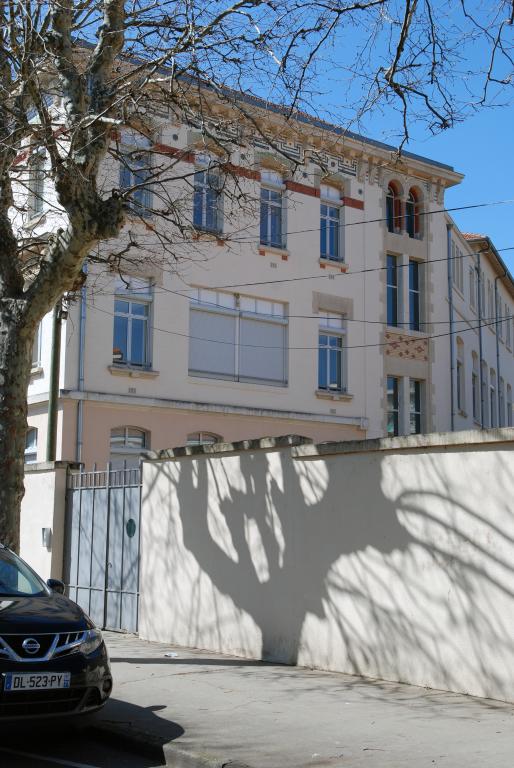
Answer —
412 340
331 276
403 325
344 225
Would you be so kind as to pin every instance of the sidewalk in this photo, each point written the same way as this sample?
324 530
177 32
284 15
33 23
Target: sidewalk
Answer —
209 710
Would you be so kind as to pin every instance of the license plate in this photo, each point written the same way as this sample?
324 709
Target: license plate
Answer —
36 682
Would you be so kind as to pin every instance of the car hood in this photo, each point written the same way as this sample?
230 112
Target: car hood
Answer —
41 615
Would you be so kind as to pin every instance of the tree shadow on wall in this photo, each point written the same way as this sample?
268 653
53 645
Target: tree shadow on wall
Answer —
311 544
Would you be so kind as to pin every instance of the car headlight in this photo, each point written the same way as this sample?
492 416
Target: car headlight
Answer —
91 641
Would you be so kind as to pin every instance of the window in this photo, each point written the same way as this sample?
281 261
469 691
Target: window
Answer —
329 223
508 326
36 348
461 400
203 438
482 295
414 296
135 172
393 406
36 184
483 396
392 290
131 323
412 214
457 267
271 210
126 445
331 353
31 446
509 405
393 208
207 201
492 399
475 389
237 338
490 305
472 288
501 403
415 407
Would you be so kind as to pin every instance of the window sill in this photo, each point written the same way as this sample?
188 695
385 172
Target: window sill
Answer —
340 265
210 237
35 220
326 394
274 251
36 370
132 372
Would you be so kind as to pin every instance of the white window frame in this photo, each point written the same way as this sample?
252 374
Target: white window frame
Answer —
37 346
31 445
332 325
330 197
133 146
205 173
125 448
135 291
241 307
413 411
36 183
203 438
272 182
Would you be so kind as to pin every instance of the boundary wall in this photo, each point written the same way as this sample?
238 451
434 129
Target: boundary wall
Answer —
389 558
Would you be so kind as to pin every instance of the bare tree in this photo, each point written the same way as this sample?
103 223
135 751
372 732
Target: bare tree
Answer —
74 75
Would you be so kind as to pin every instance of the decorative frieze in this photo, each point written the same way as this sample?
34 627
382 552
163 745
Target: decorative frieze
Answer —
406 347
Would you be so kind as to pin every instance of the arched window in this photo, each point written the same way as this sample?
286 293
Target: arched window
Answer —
31 446
393 208
203 438
126 445
412 213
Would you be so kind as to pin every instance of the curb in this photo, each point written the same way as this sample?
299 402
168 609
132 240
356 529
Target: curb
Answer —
177 757
156 748
143 742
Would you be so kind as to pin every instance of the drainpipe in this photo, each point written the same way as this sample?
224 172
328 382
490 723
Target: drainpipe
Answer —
82 344
480 345
53 389
498 371
450 301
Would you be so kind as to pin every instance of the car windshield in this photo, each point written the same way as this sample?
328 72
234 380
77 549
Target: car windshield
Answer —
16 578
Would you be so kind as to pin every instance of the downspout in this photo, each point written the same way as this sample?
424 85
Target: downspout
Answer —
53 387
480 345
450 302
82 344
498 371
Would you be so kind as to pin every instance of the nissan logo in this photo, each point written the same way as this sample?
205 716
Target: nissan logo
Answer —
30 645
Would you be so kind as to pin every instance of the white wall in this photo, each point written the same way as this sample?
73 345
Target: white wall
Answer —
377 558
43 506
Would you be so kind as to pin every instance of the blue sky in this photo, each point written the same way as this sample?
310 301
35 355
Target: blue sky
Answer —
482 149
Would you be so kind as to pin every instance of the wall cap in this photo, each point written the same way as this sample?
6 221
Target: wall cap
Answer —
50 466
449 440
214 449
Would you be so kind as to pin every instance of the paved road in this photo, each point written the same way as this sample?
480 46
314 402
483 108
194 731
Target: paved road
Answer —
63 747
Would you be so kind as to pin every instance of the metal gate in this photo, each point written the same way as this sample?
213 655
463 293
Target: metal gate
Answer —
103 510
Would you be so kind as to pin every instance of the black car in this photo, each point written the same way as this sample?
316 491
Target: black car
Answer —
53 660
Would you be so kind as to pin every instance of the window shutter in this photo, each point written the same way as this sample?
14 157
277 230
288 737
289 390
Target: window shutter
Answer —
212 347
262 350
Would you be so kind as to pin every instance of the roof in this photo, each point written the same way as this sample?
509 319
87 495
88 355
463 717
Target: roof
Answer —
472 236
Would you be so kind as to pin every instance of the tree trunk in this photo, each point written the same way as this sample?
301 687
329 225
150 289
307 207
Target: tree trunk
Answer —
15 363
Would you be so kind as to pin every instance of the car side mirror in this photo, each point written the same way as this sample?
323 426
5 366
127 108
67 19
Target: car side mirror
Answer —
56 585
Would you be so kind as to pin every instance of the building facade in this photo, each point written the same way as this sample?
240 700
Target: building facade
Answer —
339 302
